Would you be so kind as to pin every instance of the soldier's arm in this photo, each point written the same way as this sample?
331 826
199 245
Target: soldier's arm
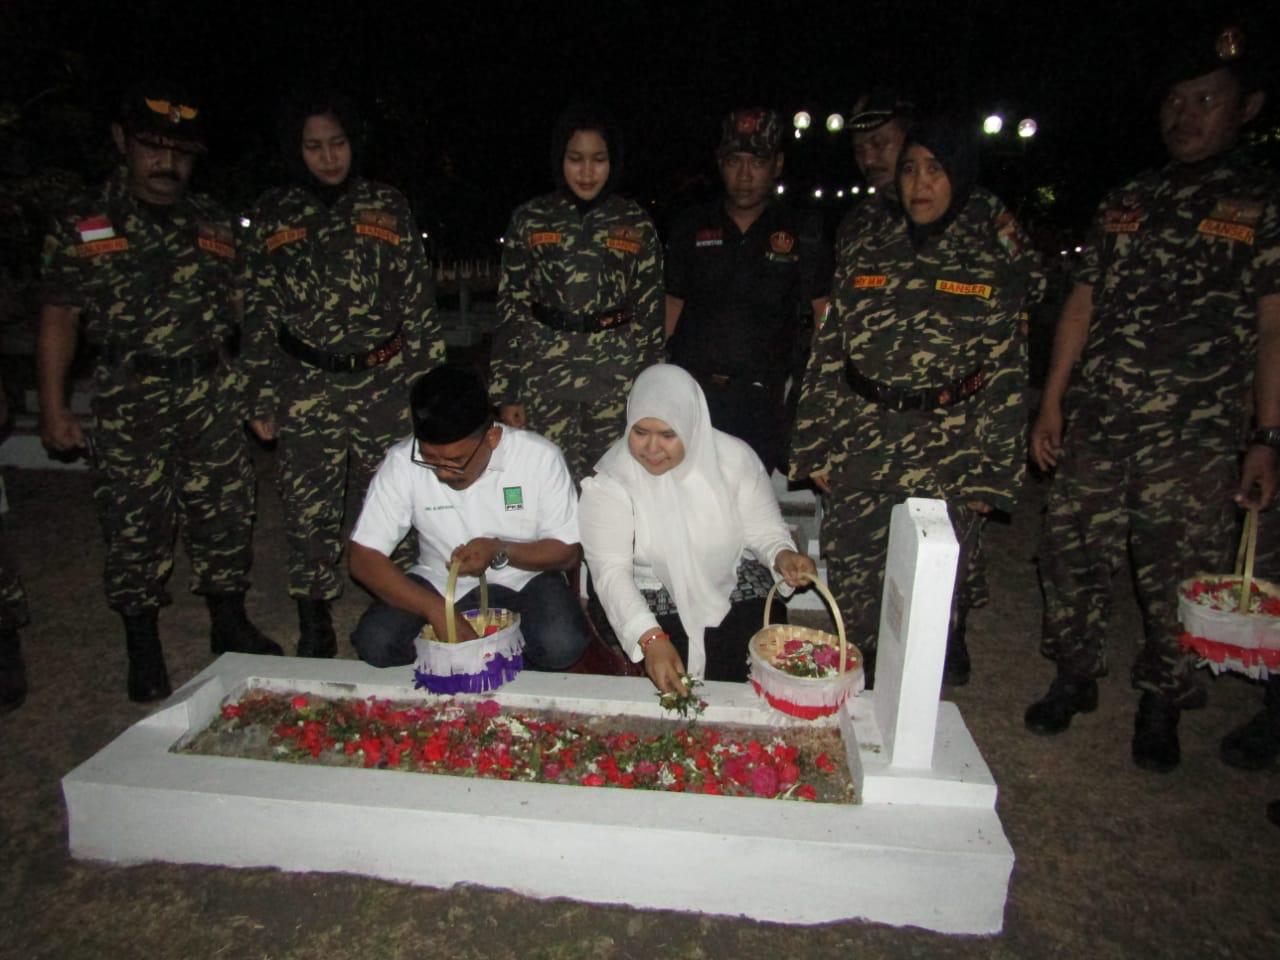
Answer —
55 349
261 318
424 342
515 299
649 295
1258 472
1069 339
819 401
674 307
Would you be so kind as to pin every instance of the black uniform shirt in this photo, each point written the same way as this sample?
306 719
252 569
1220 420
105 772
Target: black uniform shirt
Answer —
744 294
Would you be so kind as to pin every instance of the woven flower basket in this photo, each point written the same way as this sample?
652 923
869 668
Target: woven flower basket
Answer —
804 697
472 666
1224 632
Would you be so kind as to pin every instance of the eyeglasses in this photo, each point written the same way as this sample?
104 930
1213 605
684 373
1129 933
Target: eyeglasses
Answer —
439 468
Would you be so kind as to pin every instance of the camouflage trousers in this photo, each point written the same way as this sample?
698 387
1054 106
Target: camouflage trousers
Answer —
582 429
13 599
1166 510
855 543
334 430
168 453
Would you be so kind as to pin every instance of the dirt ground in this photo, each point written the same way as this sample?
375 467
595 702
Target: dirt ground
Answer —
1111 861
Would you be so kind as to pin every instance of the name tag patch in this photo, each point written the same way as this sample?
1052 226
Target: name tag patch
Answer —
869 281
379 225
982 290
626 239
709 238
216 239
1231 231
99 247
285 236
1121 221
544 237
512 498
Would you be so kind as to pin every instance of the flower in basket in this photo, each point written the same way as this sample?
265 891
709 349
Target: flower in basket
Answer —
1224 595
805 658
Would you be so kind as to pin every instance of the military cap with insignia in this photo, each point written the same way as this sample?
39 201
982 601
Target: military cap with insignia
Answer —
756 131
877 108
161 114
1207 43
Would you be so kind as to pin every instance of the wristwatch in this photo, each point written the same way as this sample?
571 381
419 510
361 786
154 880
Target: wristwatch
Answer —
500 560
1266 436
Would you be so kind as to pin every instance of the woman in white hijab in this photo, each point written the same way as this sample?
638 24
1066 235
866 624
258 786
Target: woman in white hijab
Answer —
666 522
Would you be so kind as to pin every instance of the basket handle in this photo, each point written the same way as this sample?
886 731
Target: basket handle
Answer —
1245 557
831 602
449 588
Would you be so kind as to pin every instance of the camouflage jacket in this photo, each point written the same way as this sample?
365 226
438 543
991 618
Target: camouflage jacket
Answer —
920 320
343 279
608 258
155 280
1177 260
865 211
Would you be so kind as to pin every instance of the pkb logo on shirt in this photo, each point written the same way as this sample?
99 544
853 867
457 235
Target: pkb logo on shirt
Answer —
512 498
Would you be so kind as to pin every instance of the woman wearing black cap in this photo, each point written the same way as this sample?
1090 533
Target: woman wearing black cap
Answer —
336 324
915 386
580 298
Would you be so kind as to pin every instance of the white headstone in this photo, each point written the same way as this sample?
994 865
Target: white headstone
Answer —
915 611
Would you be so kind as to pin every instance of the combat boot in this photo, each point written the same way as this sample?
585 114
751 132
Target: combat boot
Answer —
1067 696
1256 744
231 630
148 678
13 672
1155 734
315 624
956 668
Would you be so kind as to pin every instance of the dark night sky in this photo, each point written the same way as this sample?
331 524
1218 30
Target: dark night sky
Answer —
461 97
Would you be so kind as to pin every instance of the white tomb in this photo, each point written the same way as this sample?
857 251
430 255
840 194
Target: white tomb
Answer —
924 847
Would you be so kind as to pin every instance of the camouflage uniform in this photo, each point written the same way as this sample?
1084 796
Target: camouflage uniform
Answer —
1177 262
157 286
575 384
345 280
915 321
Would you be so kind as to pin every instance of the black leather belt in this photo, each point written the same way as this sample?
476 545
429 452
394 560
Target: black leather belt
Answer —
182 369
339 362
582 322
901 399
725 380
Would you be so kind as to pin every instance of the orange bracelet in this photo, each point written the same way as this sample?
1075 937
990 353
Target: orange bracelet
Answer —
644 644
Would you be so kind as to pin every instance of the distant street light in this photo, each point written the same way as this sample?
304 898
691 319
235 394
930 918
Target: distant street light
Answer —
855 190
1027 128
817 193
871 189
802 120
797 134
781 189
993 124
835 123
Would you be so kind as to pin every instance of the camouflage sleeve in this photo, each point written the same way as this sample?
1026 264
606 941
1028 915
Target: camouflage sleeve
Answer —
812 448
648 301
412 300
1263 275
259 356
515 298
1089 269
62 276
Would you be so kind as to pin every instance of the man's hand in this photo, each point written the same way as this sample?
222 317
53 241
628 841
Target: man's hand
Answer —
979 506
435 617
822 481
475 556
513 415
60 430
796 569
663 665
1046 437
264 430
1258 478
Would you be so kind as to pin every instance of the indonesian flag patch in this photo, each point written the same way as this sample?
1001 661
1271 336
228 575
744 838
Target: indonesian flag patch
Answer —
95 228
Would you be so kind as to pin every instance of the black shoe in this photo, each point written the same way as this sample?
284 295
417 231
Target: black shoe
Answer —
1067 696
13 673
956 668
231 630
315 624
1155 734
1253 745
148 678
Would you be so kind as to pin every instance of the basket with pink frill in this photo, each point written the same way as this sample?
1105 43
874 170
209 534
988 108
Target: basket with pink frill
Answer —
495 656
1233 620
801 671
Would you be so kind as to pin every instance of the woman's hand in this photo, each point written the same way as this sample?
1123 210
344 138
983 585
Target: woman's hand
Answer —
264 430
662 663
796 569
822 481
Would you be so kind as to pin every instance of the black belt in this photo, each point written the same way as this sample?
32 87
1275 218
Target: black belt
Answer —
339 362
899 398
184 369
582 322
725 380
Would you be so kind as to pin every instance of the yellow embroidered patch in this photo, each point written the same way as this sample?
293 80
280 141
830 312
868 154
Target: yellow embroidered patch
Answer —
1231 231
982 290
866 281
282 237
99 247
378 233
544 237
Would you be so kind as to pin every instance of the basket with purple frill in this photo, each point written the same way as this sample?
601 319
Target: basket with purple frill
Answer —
495 656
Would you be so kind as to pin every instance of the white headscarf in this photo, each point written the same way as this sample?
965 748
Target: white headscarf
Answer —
686 521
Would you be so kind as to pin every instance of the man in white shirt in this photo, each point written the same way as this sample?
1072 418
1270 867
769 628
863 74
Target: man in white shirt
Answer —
501 500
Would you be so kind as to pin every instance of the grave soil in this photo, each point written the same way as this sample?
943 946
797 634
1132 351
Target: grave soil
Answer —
1111 861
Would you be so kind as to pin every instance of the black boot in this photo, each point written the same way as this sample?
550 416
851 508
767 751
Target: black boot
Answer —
956 668
231 629
148 678
13 673
1155 734
1067 696
1256 744
315 624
